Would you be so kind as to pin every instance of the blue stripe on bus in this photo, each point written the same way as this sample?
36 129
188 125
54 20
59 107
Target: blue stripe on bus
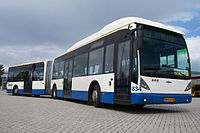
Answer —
51 92
38 91
106 97
59 93
34 91
138 98
9 90
80 95
20 91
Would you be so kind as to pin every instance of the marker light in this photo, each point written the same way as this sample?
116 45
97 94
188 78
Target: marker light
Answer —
145 100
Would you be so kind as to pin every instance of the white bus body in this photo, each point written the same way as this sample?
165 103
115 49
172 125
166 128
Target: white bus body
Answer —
150 64
30 78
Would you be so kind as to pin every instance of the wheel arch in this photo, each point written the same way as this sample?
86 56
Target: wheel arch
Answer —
54 86
15 87
90 90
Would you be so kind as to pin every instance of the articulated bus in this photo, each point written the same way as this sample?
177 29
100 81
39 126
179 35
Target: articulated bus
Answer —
132 61
31 78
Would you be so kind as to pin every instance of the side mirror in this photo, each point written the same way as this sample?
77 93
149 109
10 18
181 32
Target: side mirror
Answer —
140 38
134 75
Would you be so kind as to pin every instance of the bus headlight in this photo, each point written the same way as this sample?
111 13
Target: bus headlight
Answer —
189 86
144 84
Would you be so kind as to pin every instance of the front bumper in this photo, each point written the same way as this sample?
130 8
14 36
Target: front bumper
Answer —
146 98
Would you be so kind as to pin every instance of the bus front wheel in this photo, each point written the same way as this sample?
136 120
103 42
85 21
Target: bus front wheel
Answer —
96 96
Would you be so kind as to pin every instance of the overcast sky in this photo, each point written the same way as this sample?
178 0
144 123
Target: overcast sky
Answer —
34 30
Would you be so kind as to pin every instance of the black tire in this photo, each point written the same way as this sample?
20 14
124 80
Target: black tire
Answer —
15 91
96 96
54 93
140 106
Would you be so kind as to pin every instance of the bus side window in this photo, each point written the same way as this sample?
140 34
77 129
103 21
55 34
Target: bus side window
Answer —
80 65
109 58
96 61
38 73
58 70
10 75
61 70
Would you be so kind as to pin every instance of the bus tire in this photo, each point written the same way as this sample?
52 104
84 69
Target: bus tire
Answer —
140 106
15 90
54 93
96 96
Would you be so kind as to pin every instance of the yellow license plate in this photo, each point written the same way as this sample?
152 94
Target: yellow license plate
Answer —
169 99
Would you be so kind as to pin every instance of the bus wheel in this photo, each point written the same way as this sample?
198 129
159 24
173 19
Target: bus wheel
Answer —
15 91
140 106
96 96
54 95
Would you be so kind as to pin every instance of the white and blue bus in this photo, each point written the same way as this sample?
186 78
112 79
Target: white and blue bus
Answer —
31 78
132 61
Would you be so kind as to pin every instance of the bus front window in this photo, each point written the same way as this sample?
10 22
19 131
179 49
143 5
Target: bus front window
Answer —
164 55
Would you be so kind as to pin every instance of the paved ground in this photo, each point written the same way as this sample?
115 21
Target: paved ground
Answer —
32 114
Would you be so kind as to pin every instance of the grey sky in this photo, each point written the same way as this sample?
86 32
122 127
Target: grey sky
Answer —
32 30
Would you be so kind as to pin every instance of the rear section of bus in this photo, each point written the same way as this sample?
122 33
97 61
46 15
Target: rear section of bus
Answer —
30 78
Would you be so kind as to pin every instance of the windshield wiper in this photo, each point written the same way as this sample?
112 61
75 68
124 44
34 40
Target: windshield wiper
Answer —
182 74
154 73
168 71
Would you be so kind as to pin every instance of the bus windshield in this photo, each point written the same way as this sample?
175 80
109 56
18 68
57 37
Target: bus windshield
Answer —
164 55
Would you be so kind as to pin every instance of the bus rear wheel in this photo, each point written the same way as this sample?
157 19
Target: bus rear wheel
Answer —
140 106
96 96
54 95
15 91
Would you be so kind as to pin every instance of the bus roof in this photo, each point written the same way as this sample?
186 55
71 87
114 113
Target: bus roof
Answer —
117 25
27 64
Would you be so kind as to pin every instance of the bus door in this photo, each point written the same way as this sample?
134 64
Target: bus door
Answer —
122 73
67 86
28 80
